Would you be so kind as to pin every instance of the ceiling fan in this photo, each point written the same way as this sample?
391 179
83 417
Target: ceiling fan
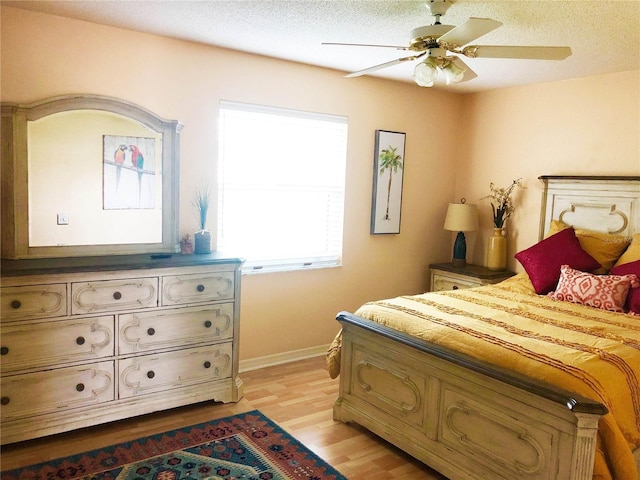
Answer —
433 42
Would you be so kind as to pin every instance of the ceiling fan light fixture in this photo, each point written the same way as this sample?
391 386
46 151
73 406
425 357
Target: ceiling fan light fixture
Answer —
425 73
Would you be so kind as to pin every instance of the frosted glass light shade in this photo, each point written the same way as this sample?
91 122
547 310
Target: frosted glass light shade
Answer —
453 73
461 217
425 73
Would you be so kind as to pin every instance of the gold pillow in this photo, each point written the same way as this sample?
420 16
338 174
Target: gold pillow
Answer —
632 253
555 227
606 248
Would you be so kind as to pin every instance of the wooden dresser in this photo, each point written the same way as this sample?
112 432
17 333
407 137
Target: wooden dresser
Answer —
90 340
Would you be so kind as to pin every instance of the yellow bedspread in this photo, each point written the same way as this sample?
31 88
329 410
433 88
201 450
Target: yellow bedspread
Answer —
588 351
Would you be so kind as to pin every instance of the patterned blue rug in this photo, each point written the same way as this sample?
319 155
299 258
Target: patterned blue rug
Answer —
248 446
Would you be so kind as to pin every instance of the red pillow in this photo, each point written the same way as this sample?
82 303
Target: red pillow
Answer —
607 292
542 261
633 299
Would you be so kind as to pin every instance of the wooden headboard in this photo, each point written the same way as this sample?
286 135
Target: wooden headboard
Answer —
608 204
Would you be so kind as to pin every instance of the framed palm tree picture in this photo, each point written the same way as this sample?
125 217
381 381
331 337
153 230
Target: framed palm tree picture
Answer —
388 167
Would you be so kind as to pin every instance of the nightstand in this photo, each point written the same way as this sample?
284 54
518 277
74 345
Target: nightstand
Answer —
444 276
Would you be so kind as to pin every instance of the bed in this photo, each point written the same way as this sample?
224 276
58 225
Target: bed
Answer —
503 381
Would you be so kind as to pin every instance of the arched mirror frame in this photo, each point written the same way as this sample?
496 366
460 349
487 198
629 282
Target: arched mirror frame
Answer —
15 196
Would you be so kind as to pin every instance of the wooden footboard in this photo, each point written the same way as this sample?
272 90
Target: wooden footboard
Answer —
464 418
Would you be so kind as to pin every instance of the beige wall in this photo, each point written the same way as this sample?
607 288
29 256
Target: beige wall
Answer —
44 56
456 145
586 126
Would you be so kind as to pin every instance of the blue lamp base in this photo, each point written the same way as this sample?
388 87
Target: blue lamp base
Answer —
459 251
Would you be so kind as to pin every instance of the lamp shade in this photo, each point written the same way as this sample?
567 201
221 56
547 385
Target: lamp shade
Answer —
461 217
425 73
452 73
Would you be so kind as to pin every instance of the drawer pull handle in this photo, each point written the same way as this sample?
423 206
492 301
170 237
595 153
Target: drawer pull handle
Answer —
117 295
455 287
80 340
151 331
16 304
200 288
80 387
4 350
151 374
207 364
207 324
4 401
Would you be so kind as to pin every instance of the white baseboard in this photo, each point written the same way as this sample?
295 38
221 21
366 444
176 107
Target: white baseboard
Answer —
280 358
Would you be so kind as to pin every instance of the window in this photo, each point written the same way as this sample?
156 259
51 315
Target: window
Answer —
281 186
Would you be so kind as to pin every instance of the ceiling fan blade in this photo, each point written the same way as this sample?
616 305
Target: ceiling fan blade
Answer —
468 31
530 53
365 45
468 73
375 68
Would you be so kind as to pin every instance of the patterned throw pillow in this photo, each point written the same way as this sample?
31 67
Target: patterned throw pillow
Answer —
633 300
607 292
542 261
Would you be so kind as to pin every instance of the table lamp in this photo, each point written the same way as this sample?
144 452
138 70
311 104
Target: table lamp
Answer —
461 217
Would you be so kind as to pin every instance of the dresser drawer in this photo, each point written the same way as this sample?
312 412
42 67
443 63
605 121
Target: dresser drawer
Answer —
157 373
33 301
54 390
444 282
112 295
38 344
178 327
185 289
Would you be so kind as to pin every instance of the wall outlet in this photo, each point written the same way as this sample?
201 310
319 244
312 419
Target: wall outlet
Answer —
63 219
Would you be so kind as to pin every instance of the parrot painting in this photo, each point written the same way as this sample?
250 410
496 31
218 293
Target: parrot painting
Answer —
137 160
118 158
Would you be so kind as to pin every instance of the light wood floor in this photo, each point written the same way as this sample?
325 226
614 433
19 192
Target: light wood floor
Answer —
298 396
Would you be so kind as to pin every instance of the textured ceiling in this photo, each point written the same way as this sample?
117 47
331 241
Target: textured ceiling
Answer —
603 35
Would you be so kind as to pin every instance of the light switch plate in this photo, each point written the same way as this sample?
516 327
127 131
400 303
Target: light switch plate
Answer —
63 219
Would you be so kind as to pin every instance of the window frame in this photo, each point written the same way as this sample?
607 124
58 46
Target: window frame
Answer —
263 264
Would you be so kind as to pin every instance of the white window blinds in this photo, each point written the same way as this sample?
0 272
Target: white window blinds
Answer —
281 186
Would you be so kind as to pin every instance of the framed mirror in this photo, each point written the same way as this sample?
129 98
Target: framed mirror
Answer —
88 175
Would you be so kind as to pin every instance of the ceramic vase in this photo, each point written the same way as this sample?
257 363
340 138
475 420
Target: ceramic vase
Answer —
497 250
202 241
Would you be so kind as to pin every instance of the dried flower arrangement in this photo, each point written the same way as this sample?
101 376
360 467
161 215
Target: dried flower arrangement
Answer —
502 204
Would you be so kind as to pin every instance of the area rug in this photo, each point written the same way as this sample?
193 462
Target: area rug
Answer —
248 446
